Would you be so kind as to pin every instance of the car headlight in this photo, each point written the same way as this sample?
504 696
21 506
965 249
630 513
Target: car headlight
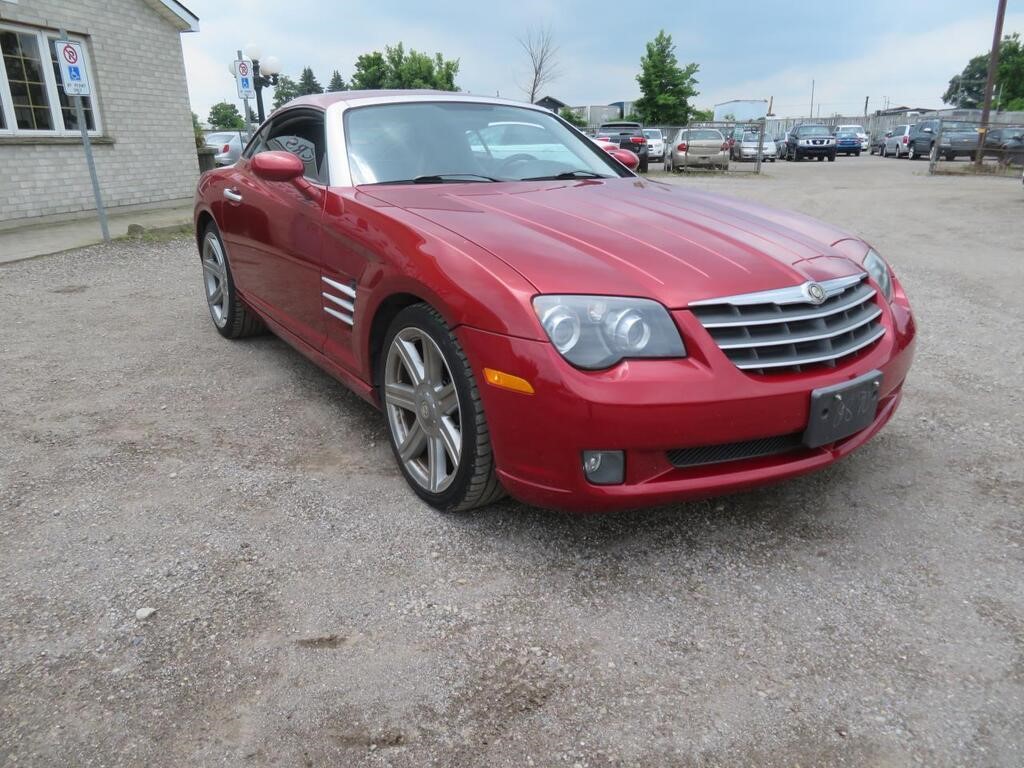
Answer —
879 270
596 332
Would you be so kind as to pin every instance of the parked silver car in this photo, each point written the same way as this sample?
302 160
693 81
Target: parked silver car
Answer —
697 147
746 145
897 141
228 145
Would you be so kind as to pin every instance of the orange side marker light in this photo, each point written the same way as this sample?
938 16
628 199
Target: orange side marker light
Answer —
507 381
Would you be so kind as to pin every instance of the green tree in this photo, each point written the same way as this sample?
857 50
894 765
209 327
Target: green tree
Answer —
702 115
285 90
225 116
573 117
665 87
308 83
337 82
370 73
197 129
396 68
967 89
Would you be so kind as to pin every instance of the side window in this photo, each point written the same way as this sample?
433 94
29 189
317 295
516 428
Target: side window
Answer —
303 136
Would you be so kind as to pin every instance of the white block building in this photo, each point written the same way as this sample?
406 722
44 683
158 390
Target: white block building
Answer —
139 116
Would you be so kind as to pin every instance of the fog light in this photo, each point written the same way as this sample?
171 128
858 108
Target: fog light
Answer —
604 467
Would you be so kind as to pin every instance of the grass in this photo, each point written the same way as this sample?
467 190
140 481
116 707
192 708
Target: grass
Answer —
971 169
160 234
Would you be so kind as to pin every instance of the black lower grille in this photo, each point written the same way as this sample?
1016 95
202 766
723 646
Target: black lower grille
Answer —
747 449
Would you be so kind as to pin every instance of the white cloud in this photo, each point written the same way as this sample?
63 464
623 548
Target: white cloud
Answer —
909 69
598 65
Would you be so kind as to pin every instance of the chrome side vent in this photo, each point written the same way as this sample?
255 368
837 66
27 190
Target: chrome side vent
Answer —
342 303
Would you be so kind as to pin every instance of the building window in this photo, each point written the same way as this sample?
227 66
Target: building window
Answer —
26 80
32 100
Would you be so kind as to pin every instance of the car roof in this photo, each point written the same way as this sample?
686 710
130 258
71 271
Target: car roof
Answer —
325 100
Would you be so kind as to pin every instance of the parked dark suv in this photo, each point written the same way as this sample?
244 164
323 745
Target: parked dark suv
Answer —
811 141
959 139
628 136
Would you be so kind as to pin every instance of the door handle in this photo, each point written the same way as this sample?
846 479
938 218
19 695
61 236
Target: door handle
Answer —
233 196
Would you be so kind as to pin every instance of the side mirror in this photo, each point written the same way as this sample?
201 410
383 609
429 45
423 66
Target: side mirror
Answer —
626 157
277 166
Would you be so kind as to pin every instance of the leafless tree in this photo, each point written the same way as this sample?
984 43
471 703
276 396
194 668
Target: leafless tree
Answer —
539 44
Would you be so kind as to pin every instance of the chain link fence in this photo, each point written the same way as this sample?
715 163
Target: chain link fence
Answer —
717 147
994 149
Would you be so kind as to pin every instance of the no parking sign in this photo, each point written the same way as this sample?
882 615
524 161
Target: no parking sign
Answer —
73 73
243 78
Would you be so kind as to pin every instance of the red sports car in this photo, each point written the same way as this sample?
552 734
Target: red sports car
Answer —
532 317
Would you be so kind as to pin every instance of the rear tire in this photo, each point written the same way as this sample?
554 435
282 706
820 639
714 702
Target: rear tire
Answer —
643 165
232 318
437 421
831 158
912 153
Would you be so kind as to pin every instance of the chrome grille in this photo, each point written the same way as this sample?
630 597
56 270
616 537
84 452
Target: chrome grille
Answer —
783 330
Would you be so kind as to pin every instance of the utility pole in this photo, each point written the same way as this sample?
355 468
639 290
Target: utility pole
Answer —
993 65
812 99
866 105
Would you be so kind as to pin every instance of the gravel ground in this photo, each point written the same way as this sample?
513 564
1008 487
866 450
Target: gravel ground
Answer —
310 611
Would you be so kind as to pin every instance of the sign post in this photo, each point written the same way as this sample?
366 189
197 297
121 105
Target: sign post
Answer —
245 98
75 81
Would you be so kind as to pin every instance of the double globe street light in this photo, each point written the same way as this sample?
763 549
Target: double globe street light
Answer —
264 74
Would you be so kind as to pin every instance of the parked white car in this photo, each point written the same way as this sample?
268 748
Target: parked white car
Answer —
865 141
655 144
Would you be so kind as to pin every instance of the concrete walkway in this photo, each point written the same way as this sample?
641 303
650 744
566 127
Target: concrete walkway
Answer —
39 239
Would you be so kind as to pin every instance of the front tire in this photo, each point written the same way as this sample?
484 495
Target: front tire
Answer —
435 419
232 318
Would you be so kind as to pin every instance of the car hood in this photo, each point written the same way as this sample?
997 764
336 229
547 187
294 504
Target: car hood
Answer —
630 237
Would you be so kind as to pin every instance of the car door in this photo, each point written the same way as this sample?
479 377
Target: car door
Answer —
275 228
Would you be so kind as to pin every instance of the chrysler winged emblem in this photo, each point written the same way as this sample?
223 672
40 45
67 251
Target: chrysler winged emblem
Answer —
814 292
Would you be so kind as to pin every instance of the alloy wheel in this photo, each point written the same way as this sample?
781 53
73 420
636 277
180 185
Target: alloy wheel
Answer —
215 279
423 410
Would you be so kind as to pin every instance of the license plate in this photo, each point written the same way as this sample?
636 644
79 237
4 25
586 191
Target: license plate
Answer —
843 409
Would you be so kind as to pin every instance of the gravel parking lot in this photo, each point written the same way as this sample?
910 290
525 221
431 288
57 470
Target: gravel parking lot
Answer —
310 611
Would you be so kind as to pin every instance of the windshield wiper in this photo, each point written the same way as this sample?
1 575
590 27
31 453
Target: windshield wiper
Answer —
566 175
441 178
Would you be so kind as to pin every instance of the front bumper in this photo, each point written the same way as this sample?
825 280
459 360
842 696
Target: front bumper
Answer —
649 407
814 150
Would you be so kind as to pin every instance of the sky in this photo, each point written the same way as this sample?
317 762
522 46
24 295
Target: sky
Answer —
895 53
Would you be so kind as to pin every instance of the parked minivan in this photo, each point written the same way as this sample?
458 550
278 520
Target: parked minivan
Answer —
897 141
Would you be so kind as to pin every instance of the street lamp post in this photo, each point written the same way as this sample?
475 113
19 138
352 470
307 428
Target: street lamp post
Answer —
263 75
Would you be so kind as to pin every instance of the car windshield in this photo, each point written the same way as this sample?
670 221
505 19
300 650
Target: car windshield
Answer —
956 125
813 130
438 142
653 133
846 135
703 135
220 138
750 136
852 129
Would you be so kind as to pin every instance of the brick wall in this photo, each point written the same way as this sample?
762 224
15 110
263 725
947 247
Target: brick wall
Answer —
152 157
